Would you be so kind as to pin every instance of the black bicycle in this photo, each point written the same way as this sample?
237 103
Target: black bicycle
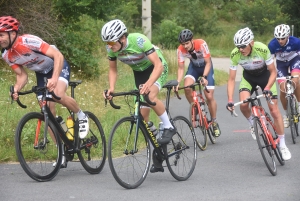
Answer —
39 136
129 147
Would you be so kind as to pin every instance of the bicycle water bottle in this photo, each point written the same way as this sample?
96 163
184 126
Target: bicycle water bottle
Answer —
62 123
70 125
152 128
161 130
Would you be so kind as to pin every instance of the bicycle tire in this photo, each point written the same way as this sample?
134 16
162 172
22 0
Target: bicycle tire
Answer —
128 167
38 161
292 114
275 136
92 155
265 147
181 152
199 128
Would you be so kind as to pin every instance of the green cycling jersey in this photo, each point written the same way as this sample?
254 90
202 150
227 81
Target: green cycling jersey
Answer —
256 62
135 52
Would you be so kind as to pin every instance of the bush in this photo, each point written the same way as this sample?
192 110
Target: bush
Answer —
167 34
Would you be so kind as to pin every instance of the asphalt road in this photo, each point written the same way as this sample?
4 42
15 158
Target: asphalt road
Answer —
231 169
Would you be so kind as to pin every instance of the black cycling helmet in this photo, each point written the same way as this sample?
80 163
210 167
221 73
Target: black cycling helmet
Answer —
185 35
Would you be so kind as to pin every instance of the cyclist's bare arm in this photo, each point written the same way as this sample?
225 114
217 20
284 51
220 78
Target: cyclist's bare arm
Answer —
22 79
156 73
273 75
231 84
112 77
58 59
180 73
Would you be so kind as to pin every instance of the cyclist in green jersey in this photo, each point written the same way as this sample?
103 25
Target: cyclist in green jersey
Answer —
259 70
149 67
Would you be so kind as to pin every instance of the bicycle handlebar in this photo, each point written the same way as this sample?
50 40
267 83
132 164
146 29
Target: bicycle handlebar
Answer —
35 89
287 77
250 99
133 93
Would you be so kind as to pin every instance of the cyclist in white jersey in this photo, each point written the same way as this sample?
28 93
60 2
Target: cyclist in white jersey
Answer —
286 49
20 51
259 70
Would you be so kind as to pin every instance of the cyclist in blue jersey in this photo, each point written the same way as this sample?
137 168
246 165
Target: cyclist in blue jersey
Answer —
286 50
149 67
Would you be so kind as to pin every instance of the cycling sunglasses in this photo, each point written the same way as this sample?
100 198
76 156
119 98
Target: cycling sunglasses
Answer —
280 38
111 43
241 46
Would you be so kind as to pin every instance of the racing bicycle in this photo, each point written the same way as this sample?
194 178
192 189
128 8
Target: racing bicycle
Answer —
265 132
39 137
130 138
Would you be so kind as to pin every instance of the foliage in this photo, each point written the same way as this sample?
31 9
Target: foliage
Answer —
79 43
167 34
36 17
292 8
195 19
262 16
71 10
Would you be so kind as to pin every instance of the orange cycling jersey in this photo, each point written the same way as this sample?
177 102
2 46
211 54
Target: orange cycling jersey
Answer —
29 51
200 52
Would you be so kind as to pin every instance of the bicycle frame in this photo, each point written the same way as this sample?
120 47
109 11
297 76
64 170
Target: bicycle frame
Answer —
258 111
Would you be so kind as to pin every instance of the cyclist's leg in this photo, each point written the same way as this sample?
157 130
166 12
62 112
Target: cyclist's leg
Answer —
282 71
190 77
245 90
295 70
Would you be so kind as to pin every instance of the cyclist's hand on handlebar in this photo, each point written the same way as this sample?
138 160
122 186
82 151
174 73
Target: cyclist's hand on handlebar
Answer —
230 106
144 88
267 92
106 94
51 84
203 81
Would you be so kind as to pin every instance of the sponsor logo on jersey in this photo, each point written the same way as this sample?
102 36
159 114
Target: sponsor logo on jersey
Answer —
261 50
140 41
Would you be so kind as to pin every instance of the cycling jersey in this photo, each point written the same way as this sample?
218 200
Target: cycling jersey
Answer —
29 50
254 64
287 52
197 56
135 53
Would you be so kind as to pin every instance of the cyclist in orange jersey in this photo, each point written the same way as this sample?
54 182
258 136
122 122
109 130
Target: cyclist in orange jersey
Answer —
200 65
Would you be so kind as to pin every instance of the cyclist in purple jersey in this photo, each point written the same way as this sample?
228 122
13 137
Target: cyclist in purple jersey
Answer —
149 68
286 49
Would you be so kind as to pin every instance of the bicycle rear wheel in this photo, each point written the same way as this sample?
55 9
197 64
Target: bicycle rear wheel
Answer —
37 159
275 136
293 117
128 164
197 122
181 152
92 153
264 146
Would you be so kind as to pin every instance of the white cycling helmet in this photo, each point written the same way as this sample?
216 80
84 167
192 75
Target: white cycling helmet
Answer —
113 30
243 37
282 31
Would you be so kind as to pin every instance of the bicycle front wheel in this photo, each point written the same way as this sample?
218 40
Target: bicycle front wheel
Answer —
181 152
277 151
92 153
264 146
293 117
36 153
198 124
128 153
